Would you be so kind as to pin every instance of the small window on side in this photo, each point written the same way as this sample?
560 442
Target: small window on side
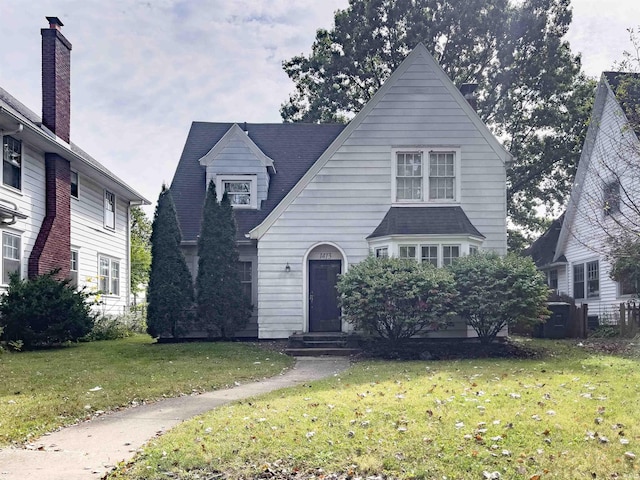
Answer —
74 184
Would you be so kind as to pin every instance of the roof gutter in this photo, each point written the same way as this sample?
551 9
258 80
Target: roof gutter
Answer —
66 152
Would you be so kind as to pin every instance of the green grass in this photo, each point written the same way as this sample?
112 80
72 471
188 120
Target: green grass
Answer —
566 415
43 390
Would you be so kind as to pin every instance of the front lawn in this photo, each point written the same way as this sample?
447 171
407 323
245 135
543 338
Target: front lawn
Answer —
43 390
568 414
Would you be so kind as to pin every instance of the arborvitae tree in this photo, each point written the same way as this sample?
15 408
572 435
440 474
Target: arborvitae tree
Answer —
222 309
170 294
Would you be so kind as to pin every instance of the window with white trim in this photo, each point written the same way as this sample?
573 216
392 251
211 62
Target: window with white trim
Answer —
426 175
73 268
10 255
473 249
109 210
74 184
240 189
382 252
430 254
12 162
245 273
552 279
449 254
407 251
409 176
109 276
586 280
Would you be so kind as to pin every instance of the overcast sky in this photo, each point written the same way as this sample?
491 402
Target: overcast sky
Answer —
142 71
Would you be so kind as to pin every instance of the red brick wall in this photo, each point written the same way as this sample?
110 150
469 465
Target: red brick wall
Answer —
56 82
52 248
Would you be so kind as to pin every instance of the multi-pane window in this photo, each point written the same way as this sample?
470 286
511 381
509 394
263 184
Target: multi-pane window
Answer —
409 176
611 197
430 254
593 280
552 279
109 210
74 184
407 251
441 176
239 192
12 162
10 255
473 249
109 276
73 268
578 281
244 270
449 254
382 252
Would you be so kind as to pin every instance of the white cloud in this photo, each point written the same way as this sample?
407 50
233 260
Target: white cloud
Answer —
142 71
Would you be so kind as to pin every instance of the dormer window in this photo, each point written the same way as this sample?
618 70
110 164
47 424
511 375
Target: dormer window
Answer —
426 175
241 190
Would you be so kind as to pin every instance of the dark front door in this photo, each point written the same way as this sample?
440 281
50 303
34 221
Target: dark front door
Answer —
324 314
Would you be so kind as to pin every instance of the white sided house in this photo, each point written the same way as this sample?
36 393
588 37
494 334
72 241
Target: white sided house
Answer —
59 207
415 174
604 198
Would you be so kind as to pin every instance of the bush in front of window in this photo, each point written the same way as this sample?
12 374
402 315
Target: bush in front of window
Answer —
395 299
222 307
495 292
44 311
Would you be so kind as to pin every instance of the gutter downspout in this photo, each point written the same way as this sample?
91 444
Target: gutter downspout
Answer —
12 132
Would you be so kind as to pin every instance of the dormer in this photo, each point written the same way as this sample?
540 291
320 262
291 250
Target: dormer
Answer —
240 168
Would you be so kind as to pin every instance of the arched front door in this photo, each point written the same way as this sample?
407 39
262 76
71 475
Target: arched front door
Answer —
325 264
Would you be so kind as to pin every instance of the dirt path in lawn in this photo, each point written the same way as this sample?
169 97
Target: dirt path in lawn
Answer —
91 449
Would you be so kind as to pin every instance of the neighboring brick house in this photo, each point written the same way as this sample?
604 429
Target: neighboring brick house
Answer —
415 174
59 207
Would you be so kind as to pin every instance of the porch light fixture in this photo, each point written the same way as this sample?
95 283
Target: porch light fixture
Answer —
287 268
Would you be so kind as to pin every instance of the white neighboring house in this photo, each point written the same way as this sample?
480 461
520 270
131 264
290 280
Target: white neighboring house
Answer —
59 207
604 200
415 174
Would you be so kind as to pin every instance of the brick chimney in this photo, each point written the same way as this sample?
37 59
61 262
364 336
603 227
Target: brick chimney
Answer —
52 248
56 79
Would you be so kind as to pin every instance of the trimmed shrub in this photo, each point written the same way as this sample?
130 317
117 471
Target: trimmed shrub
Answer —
495 292
170 291
44 311
395 299
222 309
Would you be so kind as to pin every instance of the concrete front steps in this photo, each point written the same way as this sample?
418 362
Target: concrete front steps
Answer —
315 344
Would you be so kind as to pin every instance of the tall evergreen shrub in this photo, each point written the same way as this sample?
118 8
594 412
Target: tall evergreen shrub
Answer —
170 293
222 309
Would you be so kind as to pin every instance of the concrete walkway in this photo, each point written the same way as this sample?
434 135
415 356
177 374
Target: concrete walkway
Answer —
91 449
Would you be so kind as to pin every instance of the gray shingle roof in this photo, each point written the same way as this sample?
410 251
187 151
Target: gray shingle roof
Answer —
294 148
544 248
425 221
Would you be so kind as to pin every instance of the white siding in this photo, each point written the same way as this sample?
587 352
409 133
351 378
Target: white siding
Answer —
91 239
614 146
30 201
237 159
350 195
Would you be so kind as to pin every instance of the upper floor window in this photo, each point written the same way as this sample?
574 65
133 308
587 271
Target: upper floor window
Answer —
74 184
12 162
435 181
552 279
240 189
10 255
109 210
611 197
